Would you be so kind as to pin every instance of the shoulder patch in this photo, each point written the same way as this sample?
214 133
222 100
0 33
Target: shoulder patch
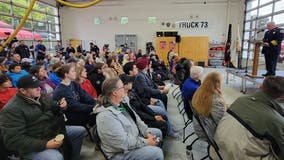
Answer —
282 31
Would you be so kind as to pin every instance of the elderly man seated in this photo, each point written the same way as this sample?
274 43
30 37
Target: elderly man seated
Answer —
253 126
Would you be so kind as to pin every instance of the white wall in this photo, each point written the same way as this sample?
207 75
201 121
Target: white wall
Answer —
79 23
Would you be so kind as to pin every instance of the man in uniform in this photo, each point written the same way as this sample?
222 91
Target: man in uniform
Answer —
272 47
253 126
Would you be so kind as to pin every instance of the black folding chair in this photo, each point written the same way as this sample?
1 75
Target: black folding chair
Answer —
210 141
97 140
6 154
175 91
88 129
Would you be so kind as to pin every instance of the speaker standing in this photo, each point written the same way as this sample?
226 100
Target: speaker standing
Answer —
272 47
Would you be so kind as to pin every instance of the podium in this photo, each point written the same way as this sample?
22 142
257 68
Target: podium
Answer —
257 45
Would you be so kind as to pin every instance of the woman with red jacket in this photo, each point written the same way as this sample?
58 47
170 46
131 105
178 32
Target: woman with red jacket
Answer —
81 78
6 92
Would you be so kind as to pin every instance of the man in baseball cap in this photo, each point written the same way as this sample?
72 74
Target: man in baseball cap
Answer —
28 81
30 122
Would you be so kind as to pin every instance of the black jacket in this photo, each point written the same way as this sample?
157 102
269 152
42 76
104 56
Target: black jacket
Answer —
27 125
23 51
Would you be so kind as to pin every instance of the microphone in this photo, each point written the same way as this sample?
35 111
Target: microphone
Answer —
260 30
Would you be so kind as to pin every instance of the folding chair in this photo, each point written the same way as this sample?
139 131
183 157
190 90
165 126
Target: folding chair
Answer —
180 103
187 123
6 154
97 140
174 91
210 141
88 129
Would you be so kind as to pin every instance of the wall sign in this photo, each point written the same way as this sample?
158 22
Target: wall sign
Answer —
191 24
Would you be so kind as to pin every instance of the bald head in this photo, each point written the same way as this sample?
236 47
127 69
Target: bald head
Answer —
271 25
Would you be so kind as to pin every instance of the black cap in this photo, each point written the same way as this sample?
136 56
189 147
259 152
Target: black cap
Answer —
126 78
28 81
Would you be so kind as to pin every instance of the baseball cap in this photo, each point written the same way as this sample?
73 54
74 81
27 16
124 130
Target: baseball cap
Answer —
126 78
28 81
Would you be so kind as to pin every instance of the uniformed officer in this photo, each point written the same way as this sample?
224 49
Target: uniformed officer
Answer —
272 47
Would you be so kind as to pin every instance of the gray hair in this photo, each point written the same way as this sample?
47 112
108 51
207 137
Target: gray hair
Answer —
273 86
108 86
196 72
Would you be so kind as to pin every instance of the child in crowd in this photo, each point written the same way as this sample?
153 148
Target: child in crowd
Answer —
6 92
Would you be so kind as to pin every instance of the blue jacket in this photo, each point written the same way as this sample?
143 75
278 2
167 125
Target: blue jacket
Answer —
54 78
188 88
16 76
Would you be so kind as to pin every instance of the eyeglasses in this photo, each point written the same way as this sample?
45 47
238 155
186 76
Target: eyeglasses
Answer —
119 88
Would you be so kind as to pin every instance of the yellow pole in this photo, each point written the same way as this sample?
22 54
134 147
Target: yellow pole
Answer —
23 20
85 5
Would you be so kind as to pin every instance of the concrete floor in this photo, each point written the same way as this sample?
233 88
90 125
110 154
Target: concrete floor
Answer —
174 148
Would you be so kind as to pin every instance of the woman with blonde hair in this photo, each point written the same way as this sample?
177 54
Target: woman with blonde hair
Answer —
112 62
209 104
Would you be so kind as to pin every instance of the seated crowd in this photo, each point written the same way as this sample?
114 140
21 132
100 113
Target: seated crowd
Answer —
46 104
51 96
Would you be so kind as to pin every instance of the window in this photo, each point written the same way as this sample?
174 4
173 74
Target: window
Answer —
152 20
265 10
247 25
124 20
261 23
261 2
43 20
6 19
246 35
5 8
38 16
98 20
258 13
252 4
279 18
251 15
279 6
